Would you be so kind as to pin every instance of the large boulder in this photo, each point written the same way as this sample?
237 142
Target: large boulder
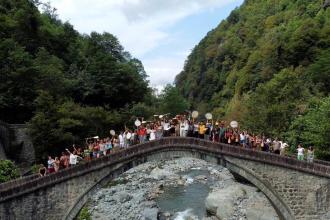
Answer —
161 174
150 213
221 202
124 197
258 207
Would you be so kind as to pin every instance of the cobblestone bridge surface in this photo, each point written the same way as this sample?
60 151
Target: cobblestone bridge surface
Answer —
297 189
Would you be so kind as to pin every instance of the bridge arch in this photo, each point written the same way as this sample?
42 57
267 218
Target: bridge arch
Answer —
63 194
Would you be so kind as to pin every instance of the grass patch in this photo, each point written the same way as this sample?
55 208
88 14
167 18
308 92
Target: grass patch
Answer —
115 183
84 214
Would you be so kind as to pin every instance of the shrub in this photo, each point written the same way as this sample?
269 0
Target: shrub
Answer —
8 171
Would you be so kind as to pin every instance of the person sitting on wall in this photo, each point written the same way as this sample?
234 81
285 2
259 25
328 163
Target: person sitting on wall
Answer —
42 170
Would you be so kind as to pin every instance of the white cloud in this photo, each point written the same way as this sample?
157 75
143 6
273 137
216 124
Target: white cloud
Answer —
163 70
140 25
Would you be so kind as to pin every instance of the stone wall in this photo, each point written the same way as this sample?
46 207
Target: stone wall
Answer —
4 139
24 150
2 152
307 196
16 144
64 200
56 201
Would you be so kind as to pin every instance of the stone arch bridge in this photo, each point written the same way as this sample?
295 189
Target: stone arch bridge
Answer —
297 189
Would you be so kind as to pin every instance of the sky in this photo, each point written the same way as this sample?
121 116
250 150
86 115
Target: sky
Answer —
160 33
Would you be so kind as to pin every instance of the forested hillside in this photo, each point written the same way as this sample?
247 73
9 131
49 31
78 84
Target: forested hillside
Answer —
268 66
64 84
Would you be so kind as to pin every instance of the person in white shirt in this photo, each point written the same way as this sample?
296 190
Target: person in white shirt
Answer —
186 127
181 124
103 149
159 130
121 140
73 159
242 138
152 134
127 138
167 128
300 150
51 163
282 148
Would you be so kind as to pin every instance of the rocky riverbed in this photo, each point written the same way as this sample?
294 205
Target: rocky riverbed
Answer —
184 188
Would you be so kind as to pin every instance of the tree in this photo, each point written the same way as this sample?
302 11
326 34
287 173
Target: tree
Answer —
319 72
313 128
261 65
171 101
274 105
57 125
17 82
8 171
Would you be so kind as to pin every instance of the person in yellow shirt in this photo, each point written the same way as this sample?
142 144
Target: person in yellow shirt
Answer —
201 130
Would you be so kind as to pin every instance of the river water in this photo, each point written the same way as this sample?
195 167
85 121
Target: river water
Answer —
185 200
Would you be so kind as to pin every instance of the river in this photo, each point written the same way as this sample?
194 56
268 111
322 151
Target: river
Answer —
179 189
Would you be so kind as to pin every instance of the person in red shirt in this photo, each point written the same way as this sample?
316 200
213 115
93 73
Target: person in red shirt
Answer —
142 132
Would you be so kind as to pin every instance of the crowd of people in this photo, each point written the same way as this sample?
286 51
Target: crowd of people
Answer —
162 126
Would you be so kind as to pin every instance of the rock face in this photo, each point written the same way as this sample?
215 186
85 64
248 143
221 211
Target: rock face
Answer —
4 139
2 152
160 174
257 206
26 154
238 201
133 194
150 213
222 201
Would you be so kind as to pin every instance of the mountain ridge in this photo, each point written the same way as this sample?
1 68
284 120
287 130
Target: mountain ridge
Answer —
265 66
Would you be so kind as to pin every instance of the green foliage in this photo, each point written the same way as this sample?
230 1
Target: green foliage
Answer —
8 171
257 41
66 85
142 110
56 125
35 168
312 128
319 72
17 81
116 182
262 66
84 214
39 52
273 106
172 101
